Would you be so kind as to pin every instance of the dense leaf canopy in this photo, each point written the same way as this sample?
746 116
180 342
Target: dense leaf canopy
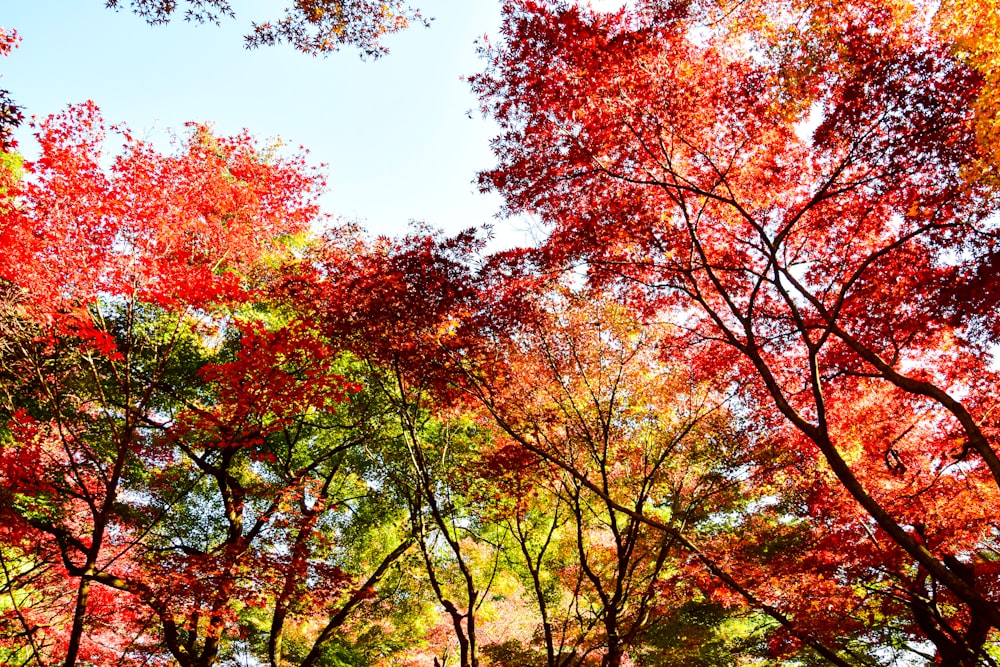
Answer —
738 406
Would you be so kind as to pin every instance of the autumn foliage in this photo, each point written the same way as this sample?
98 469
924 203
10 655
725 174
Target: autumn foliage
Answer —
739 406
311 26
794 185
136 380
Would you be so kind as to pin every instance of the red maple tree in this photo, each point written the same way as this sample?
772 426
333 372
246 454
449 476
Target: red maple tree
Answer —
789 184
167 462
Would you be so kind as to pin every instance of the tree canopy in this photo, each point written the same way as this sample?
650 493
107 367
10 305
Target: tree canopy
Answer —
311 26
738 406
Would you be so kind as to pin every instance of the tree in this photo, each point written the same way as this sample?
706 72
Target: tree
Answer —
791 185
392 303
574 388
647 459
311 26
178 454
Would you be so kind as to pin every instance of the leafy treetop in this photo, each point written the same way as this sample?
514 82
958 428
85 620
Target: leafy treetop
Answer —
311 26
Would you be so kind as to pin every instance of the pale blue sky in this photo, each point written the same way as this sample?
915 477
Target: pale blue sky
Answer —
394 132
